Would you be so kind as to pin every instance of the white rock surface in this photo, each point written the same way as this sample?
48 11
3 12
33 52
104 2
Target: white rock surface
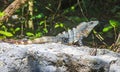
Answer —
55 57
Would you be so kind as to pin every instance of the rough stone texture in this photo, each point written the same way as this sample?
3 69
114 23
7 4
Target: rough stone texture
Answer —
55 57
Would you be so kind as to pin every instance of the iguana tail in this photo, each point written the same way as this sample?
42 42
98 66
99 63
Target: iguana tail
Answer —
45 39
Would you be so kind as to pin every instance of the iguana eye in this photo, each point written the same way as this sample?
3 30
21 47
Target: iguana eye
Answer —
65 40
91 23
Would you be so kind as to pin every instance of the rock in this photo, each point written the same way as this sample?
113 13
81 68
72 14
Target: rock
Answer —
55 57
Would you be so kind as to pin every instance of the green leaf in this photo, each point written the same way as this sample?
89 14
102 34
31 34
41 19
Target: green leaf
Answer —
42 22
106 29
40 15
57 25
4 28
17 29
61 25
72 8
29 34
12 30
38 34
8 34
1 14
114 23
45 30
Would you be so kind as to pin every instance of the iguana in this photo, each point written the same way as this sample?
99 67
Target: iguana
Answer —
69 37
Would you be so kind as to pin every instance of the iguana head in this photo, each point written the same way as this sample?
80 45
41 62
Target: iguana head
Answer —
86 27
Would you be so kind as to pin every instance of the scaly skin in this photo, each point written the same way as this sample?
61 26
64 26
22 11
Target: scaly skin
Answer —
71 36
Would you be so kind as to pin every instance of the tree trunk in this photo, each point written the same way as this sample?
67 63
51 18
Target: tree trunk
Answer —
30 9
11 9
118 40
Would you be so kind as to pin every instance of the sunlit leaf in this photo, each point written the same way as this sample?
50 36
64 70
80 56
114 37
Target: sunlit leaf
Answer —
72 8
41 22
38 34
61 25
17 29
1 14
45 30
40 15
29 34
114 23
8 34
57 25
4 27
106 29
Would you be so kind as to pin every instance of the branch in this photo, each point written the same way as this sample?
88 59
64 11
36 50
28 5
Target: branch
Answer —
11 9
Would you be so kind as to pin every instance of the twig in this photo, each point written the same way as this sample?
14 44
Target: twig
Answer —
81 9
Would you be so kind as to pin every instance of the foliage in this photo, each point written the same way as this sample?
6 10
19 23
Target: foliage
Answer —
7 34
112 24
31 35
53 16
4 33
1 14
